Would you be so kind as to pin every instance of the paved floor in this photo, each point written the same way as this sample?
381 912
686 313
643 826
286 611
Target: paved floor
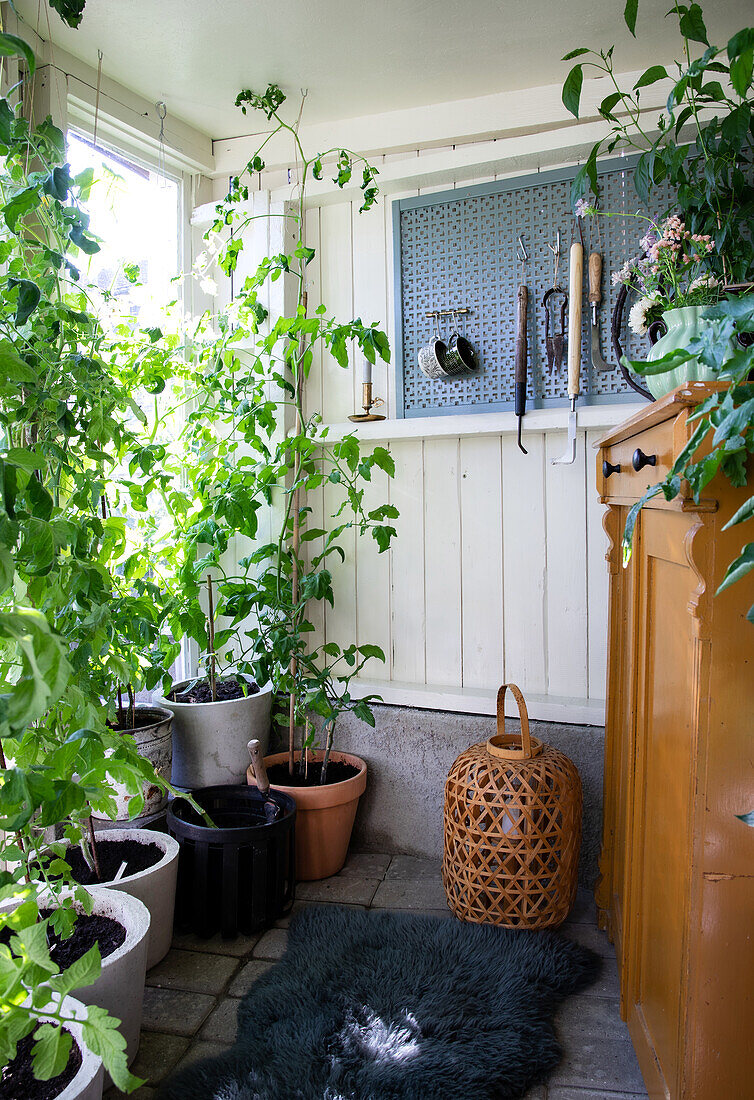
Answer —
192 995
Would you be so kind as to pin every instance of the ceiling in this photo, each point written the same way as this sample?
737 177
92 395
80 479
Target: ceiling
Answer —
356 58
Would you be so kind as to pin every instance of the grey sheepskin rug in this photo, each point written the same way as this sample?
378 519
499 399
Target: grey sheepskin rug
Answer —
391 1006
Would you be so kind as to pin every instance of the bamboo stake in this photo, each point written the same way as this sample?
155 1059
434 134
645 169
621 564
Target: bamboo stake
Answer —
296 539
211 638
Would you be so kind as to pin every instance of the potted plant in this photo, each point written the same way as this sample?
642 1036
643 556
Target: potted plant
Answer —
267 453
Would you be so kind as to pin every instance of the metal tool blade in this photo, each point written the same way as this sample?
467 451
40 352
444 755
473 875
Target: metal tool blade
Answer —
598 363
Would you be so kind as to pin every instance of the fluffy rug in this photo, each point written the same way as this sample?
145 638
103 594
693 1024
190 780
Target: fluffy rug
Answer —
390 1006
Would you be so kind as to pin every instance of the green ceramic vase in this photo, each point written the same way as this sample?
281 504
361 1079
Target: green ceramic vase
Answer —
683 324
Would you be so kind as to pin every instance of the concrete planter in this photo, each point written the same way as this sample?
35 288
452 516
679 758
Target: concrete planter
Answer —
155 743
324 816
120 987
89 1081
210 739
155 887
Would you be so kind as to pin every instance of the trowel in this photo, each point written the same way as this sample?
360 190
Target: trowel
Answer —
271 808
576 274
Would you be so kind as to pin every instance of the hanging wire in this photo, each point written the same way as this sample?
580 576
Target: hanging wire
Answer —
162 114
96 98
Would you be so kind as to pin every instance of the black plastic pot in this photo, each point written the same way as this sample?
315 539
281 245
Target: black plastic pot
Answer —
240 876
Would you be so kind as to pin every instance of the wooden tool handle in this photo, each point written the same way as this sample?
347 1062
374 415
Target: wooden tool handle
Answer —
522 351
574 318
595 277
257 763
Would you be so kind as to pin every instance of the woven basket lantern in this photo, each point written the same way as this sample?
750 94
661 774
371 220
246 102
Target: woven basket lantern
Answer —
512 829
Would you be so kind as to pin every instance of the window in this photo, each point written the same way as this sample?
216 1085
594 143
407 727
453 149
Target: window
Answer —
135 212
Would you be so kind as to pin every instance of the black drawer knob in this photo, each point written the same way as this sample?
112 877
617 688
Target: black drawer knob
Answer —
640 460
608 468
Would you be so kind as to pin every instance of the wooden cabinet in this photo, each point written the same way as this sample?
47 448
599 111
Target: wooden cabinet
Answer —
676 886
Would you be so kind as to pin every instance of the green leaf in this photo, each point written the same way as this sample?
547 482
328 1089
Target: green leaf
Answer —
692 25
743 40
70 11
572 90
651 76
629 15
80 973
735 125
738 569
100 1034
741 71
746 511
748 819
575 53
13 46
29 296
50 1052
642 179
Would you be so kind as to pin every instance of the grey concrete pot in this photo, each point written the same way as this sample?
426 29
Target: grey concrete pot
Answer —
155 887
89 1081
120 986
210 739
155 743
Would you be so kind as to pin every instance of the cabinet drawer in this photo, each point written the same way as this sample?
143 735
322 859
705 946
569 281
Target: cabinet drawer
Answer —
627 484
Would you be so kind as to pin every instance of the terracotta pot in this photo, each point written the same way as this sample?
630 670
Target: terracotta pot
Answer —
324 816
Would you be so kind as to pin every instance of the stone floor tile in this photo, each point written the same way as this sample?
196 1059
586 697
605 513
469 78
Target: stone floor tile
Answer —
222 1022
193 970
200 1048
144 1093
272 944
608 983
413 867
590 936
247 975
174 1011
584 908
597 1050
443 914
568 1093
216 945
410 893
158 1055
537 1093
284 922
366 865
339 890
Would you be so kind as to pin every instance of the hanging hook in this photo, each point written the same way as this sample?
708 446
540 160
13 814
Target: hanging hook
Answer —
556 252
523 255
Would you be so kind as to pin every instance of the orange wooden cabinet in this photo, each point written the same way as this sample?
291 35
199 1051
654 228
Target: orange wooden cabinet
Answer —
676 886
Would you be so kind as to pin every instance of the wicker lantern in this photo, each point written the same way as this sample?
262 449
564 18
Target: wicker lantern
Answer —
512 829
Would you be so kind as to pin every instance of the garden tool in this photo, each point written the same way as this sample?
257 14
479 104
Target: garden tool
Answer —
574 346
271 808
519 400
555 341
595 298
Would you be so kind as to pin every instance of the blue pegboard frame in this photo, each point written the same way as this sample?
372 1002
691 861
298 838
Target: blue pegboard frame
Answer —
458 248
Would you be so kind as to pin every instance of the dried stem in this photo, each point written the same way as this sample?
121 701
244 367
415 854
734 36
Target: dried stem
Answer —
296 539
131 707
93 848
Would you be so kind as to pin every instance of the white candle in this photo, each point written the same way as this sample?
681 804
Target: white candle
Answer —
367 376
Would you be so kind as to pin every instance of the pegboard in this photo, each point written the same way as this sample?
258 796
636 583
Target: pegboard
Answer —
458 248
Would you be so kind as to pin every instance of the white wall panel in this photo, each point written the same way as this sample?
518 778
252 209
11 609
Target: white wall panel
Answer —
442 561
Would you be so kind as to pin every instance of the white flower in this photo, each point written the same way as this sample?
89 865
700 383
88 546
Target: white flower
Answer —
704 282
638 319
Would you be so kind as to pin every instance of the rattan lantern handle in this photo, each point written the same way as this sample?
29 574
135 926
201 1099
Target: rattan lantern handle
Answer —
502 745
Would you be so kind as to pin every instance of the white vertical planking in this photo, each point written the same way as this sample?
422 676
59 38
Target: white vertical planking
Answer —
442 561
373 596
407 563
336 266
565 502
370 289
340 620
482 561
597 576
525 564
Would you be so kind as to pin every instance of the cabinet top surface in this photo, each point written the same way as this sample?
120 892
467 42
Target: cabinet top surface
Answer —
666 408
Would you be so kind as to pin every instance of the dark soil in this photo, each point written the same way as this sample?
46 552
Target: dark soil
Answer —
337 771
17 1081
89 929
111 854
136 720
225 689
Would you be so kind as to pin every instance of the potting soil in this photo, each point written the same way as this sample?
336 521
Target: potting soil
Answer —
90 928
337 771
111 854
17 1080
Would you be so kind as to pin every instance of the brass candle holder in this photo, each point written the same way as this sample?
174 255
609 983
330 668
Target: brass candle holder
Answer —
369 403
